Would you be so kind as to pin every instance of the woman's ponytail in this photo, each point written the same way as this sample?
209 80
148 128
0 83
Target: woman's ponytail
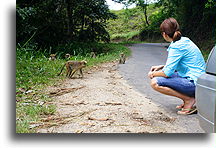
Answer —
177 36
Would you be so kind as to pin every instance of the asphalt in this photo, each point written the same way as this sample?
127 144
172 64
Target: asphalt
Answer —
135 71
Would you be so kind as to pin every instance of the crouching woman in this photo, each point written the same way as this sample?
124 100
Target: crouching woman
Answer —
184 65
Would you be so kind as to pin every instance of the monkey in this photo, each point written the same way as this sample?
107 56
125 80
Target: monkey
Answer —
92 55
67 56
52 57
72 67
122 58
77 66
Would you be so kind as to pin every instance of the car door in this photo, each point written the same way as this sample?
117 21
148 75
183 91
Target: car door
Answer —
206 95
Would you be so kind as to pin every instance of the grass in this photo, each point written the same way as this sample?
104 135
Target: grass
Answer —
125 36
34 72
128 24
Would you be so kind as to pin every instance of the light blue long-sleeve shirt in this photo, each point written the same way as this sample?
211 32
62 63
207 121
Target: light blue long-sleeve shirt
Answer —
185 58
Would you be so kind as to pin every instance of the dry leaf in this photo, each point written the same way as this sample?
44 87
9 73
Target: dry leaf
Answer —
100 119
113 103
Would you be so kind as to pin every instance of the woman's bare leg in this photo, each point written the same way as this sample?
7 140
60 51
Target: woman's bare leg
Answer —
188 101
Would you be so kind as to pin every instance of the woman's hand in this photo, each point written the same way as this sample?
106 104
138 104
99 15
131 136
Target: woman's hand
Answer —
150 74
156 68
155 73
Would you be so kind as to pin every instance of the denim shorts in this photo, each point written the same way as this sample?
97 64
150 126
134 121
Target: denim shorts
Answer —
177 83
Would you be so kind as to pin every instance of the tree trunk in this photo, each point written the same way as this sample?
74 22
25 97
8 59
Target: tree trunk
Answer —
146 17
69 18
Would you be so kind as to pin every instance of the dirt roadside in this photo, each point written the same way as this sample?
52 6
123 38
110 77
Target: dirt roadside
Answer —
103 102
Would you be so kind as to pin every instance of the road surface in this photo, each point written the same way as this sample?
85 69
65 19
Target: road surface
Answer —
135 72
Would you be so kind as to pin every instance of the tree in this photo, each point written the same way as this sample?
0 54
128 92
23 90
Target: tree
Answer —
194 16
53 22
143 4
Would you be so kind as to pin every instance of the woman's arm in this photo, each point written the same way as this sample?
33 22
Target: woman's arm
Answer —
156 68
153 74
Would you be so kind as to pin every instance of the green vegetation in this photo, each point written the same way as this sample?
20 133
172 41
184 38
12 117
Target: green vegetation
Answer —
206 53
53 22
34 72
194 17
129 23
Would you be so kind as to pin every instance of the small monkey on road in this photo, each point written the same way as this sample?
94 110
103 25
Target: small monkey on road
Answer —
122 58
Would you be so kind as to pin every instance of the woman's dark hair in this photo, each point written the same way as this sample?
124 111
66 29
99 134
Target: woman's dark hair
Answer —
171 27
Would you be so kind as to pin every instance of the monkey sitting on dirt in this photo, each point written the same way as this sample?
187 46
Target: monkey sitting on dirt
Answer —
92 55
122 58
72 67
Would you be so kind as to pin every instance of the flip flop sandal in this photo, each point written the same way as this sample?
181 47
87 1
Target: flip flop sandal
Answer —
187 111
180 106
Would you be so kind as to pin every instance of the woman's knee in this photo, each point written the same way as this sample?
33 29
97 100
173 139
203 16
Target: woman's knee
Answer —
154 84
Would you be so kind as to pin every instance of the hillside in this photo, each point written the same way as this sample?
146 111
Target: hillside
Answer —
129 23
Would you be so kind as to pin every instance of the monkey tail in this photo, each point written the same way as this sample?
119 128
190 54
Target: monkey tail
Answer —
61 69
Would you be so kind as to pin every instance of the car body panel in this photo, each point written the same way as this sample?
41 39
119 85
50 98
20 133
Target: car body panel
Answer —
206 95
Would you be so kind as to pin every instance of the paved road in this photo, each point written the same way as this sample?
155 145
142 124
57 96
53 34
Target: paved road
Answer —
135 72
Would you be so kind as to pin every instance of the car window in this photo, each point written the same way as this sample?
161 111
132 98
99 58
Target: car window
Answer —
211 63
